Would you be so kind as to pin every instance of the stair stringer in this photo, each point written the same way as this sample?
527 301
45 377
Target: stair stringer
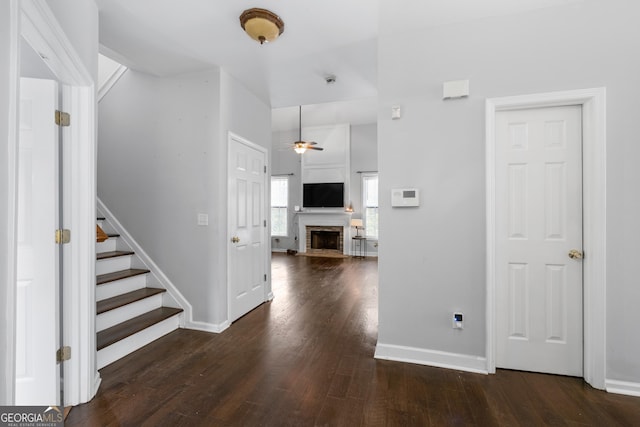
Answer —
173 297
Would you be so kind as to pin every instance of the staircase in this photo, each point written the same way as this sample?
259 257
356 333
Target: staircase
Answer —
131 310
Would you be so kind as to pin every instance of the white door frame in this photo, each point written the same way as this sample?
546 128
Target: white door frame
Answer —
34 21
593 102
268 294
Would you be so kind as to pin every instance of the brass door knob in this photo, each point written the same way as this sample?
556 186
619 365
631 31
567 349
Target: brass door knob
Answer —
235 239
575 254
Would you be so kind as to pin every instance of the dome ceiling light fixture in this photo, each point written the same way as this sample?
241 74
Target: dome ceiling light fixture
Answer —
262 25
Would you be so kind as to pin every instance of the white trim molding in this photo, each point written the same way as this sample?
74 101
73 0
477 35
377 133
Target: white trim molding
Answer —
593 102
623 387
439 359
39 27
111 81
8 294
43 33
216 328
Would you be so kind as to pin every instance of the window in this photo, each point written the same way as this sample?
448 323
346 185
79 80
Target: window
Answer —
279 205
370 204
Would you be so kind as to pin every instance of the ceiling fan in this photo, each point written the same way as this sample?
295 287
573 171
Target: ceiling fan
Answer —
301 146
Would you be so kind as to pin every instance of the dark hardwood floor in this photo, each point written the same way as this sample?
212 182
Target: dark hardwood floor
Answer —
306 358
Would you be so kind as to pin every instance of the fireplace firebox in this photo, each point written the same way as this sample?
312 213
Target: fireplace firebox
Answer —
324 239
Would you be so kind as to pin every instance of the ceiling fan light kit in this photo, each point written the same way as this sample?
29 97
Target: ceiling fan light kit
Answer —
299 147
262 25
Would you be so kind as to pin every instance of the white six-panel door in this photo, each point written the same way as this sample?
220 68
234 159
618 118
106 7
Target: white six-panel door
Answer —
539 222
37 374
247 228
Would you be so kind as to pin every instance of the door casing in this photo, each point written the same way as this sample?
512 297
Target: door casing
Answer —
593 102
232 138
34 21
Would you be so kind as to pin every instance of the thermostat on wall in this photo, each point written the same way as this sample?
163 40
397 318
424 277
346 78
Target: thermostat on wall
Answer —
405 197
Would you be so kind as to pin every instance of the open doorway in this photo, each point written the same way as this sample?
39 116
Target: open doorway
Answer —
347 133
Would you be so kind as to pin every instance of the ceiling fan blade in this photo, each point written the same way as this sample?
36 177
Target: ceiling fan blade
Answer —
312 143
315 148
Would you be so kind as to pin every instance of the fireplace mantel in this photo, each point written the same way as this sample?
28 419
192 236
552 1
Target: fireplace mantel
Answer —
323 218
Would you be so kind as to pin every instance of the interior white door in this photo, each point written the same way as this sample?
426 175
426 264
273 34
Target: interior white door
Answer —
539 224
37 321
247 227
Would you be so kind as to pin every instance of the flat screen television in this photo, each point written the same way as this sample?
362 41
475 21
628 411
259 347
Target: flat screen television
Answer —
323 195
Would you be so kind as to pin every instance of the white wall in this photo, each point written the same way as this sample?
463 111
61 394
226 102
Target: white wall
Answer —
432 261
247 116
156 138
162 159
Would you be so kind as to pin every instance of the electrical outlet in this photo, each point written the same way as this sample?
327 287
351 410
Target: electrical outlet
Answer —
458 319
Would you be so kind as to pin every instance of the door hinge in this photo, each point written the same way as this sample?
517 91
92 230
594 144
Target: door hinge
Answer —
265 169
265 223
62 118
63 236
63 354
265 277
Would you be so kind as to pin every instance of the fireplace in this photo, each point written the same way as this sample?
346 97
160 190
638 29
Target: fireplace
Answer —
324 239
324 220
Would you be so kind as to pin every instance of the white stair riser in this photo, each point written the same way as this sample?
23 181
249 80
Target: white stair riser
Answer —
100 223
130 344
110 265
122 314
108 245
122 286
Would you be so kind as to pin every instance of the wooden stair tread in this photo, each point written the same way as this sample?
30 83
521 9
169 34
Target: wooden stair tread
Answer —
101 218
126 329
117 275
113 235
113 254
124 299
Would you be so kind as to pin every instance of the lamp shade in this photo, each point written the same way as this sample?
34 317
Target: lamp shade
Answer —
356 222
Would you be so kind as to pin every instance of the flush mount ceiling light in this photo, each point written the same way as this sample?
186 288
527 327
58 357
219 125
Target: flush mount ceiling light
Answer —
262 25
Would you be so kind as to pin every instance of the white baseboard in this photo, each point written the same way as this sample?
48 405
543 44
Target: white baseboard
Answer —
216 328
279 250
440 359
623 387
97 380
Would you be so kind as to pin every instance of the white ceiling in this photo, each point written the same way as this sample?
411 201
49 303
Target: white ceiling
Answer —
166 37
